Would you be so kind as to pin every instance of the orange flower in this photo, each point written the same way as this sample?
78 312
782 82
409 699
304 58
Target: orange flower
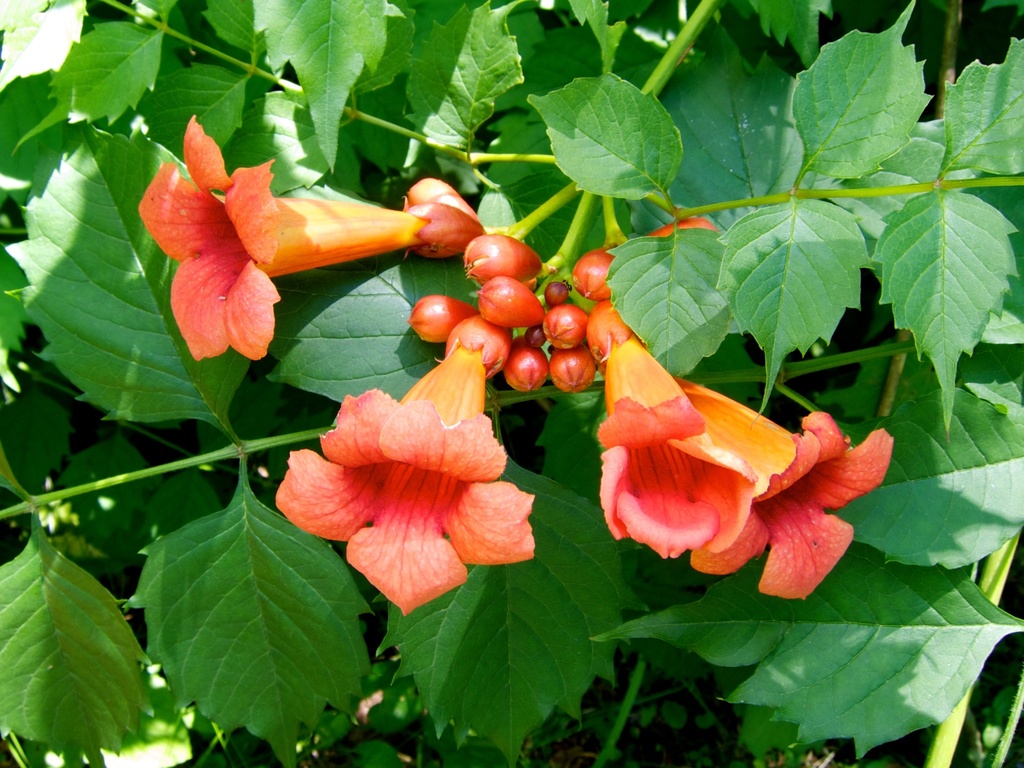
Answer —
790 515
419 473
230 236
671 479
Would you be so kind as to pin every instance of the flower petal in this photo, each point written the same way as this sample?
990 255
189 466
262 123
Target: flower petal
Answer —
405 554
355 441
748 545
184 221
834 484
636 426
489 526
199 294
204 160
468 451
327 500
249 312
253 210
805 545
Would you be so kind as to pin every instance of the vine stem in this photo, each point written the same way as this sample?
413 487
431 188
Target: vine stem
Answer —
947 735
240 451
635 679
688 34
999 757
528 223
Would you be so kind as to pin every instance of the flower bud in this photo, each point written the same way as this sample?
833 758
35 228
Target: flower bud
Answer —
605 329
475 333
527 367
506 302
433 317
436 191
535 337
556 293
693 222
572 370
447 232
492 255
565 326
590 275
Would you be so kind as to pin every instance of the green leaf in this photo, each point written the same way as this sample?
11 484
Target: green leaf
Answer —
790 271
594 13
858 102
279 127
947 500
499 653
878 650
463 67
108 71
944 262
795 20
216 96
24 104
665 289
233 22
996 375
742 142
337 348
255 620
513 200
985 116
69 663
610 138
395 59
162 740
37 38
37 433
329 44
12 312
572 454
179 499
99 290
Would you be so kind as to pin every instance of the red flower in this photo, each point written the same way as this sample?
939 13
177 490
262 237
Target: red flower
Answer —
671 480
409 486
230 236
790 516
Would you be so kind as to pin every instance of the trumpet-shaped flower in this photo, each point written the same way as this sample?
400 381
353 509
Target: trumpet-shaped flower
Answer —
789 517
412 486
230 236
670 479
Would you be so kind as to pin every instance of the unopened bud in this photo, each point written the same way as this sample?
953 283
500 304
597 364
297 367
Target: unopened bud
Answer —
493 255
447 232
492 340
527 366
565 326
437 191
693 222
572 370
590 275
506 302
605 329
433 317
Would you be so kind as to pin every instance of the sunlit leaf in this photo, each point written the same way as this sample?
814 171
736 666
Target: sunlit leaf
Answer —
878 650
37 38
254 620
69 664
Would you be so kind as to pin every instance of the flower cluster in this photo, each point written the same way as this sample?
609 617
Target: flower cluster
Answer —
413 486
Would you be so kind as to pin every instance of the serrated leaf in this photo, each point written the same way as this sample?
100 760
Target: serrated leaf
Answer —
996 375
876 651
463 67
37 38
985 116
395 59
944 258
108 71
69 663
233 22
24 104
255 620
99 290
12 312
794 20
594 13
500 652
665 289
947 500
742 142
279 127
337 348
790 271
329 44
858 102
610 138
212 94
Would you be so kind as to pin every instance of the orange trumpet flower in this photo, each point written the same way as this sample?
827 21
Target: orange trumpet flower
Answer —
411 486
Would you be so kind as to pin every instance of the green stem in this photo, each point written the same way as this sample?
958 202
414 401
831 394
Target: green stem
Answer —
999 757
231 452
479 158
947 735
613 234
688 34
635 679
526 225
796 397
570 249
828 362
13 232
355 114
